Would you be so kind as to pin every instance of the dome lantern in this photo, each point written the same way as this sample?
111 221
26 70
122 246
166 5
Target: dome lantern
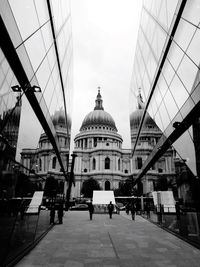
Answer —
99 101
98 117
136 116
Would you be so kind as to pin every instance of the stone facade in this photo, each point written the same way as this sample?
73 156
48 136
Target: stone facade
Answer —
99 151
43 160
164 168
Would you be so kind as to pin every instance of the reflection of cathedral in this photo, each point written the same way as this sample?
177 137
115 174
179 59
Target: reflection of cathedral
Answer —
43 159
162 174
9 129
9 126
99 151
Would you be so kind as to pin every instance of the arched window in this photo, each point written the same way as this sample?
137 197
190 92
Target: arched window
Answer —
118 164
54 163
94 164
107 163
138 162
40 164
107 185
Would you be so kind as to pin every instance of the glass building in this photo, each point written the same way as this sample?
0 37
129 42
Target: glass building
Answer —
166 69
35 83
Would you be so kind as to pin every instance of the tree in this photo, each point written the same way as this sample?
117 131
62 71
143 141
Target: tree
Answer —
125 188
23 186
88 186
51 187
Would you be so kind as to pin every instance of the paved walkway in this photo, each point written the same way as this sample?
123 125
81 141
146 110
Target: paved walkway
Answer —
79 242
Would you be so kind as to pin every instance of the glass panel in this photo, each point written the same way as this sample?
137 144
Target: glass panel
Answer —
37 54
157 96
159 121
191 11
178 91
42 11
183 40
163 18
146 84
171 7
27 23
187 73
175 55
164 115
170 104
187 106
167 72
144 19
187 151
151 65
47 36
150 30
193 49
158 41
43 74
162 86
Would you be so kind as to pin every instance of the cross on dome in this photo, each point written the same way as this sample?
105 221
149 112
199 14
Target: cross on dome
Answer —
140 100
99 101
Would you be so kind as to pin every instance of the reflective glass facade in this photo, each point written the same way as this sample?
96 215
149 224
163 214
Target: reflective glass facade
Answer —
166 69
36 51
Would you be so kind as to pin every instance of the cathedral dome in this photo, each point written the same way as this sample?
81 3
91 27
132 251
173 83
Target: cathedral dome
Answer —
136 117
59 119
98 116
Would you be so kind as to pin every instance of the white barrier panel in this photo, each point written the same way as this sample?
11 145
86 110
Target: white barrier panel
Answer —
166 199
35 202
103 197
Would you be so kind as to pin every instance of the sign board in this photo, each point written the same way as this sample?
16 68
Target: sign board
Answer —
164 198
103 197
35 202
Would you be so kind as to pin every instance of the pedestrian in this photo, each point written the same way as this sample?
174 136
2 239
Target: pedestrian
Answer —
110 209
22 209
60 213
91 209
133 209
127 208
52 215
148 210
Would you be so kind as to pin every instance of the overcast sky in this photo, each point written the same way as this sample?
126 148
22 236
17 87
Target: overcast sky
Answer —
104 41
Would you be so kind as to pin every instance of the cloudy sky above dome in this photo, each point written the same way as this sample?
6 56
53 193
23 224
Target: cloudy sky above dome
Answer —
104 40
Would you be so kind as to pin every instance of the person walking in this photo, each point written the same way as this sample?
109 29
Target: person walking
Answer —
127 207
110 209
148 210
91 209
52 215
60 213
133 209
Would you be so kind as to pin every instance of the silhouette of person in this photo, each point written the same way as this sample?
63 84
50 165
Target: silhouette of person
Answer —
60 213
133 209
91 209
52 215
110 209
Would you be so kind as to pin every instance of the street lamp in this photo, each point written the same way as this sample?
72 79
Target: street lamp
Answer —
34 88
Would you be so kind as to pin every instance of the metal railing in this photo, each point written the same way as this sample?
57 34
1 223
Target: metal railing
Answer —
185 223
